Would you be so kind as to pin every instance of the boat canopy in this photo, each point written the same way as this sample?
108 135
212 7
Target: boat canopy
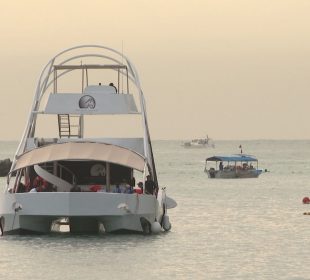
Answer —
81 151
232 158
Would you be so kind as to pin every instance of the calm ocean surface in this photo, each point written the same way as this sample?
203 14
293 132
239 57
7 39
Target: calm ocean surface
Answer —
221 229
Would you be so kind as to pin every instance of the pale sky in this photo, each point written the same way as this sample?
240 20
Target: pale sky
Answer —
232 69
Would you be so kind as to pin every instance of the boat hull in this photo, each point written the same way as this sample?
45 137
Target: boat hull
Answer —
189 145
232 174
85 212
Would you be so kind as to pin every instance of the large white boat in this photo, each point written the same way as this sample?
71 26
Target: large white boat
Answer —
74 164
199 143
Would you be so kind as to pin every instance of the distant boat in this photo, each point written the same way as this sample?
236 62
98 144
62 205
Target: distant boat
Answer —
199 143
233 166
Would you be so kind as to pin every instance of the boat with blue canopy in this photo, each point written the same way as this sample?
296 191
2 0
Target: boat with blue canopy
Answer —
233 166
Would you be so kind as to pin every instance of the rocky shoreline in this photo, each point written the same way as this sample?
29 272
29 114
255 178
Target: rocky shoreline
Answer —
5 166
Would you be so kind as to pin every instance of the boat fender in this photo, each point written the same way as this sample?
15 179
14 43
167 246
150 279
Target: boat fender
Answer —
156 228
306 200
166 223
17 206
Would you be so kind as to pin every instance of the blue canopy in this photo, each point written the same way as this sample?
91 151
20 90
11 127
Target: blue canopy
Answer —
232 158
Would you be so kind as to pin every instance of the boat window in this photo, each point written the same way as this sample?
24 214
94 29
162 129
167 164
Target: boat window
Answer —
86 172
119 174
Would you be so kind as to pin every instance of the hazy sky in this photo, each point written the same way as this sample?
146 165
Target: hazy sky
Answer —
232 69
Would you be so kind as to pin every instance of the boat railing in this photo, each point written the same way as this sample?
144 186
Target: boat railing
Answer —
121 69
60 170
122 65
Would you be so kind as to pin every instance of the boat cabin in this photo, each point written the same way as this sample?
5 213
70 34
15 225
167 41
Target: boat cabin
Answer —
82 164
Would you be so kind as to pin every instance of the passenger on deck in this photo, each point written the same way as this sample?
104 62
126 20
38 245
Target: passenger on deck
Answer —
51 188
149 185
125 187
138 189
40 184
117 189
102 189
112 85
21 188
245 166
95 188
35 189
75 188
221 166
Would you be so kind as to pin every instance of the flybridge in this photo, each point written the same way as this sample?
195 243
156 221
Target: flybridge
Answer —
85 67
101 99
94 100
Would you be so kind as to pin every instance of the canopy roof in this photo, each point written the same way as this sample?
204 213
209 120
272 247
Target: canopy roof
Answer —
81 151
232 158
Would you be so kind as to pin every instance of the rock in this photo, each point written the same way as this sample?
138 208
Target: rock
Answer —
5 166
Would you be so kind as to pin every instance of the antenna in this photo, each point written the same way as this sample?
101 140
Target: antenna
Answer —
122 64
82 76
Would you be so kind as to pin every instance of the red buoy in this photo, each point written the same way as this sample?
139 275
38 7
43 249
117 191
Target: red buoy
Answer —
306 200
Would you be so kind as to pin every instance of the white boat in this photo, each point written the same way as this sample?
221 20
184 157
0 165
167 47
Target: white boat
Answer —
199 143
232 166
73 177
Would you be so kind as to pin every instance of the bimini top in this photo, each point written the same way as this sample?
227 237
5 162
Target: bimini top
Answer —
81 151
232 158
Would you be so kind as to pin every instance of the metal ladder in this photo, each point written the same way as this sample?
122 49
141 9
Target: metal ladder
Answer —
69 126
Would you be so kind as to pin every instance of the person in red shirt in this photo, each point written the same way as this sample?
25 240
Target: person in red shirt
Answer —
40 184
138 189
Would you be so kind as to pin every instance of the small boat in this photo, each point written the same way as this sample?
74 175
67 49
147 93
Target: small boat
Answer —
76 163
233 166
199 143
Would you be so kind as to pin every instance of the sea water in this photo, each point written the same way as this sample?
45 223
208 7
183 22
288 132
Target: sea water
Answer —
221 229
